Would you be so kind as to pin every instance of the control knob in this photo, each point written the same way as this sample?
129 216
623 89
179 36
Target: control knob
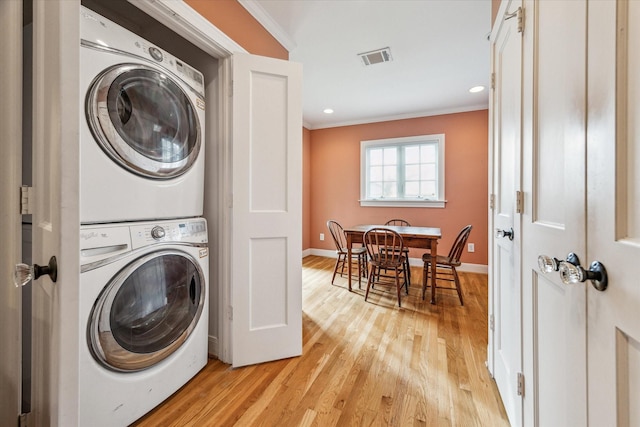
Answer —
157 232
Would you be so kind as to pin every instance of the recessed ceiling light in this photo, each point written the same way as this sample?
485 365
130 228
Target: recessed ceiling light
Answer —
476 89
328 111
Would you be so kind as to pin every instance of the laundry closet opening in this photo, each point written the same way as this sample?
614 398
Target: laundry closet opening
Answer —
130 17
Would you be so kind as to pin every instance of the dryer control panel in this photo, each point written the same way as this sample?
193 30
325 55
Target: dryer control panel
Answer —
188 231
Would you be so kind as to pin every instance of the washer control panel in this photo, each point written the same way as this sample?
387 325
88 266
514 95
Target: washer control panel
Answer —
192 230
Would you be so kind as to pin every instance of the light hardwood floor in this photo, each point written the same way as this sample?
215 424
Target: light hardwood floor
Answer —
363 363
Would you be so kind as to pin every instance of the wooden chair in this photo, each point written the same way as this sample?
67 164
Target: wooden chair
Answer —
444 263
403 223
360 254
385 250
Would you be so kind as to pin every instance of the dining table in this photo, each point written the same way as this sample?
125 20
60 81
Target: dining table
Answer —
412 237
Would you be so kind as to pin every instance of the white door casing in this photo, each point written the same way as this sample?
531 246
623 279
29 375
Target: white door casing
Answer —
10 226
56 114
266 273
613 199
506 335
553 222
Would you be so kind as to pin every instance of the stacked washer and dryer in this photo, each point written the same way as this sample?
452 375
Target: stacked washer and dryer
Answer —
143 242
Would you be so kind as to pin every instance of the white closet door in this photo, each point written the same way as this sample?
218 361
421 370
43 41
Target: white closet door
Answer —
266 241
613 198
56 114
506 336
10 181
554 142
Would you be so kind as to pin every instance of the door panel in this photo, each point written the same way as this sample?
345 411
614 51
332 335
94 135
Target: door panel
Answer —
267 210
613 199
554 314
56 113
506 337
10 226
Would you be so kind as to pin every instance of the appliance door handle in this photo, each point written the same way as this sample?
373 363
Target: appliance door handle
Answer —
102 250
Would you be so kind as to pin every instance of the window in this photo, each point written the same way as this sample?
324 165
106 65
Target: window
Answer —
403 171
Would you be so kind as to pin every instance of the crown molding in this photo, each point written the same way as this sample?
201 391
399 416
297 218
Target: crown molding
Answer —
267 21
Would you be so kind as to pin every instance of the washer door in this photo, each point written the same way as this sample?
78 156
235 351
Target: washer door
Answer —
147 311
144 120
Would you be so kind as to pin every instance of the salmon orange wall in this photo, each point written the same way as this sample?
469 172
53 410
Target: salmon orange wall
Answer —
232 19
335 179
306 188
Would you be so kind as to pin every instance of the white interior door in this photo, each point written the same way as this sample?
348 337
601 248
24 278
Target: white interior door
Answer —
613 198
56 113
10 226
266 277
506 333
553 223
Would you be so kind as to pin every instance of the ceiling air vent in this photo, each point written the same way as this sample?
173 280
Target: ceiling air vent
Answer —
376 56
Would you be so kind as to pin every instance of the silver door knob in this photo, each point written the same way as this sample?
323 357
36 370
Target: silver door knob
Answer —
596 273
505 233
23 272
547 264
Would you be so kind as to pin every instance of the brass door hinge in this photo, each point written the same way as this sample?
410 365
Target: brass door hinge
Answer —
26 194
519 202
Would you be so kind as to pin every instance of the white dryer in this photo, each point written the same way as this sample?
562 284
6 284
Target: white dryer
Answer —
144 316
142 134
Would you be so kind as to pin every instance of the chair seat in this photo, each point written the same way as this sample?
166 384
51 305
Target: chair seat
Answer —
354 251
441 259
378 262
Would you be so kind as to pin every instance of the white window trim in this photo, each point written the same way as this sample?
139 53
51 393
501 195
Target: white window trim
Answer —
439 203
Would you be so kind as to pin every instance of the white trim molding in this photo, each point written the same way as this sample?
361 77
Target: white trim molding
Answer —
262 16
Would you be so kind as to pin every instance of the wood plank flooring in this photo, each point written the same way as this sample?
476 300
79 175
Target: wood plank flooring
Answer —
363 363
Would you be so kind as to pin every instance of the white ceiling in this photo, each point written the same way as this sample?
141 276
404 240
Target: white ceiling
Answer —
439 48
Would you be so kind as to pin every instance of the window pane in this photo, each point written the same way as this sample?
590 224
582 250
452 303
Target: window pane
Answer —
412 173
391 156
390 173
412 189
428 171
412 154
428 153
390 189
375 190
375 173
375 156
428 189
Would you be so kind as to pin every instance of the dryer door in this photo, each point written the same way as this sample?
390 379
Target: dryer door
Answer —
147 311
144 120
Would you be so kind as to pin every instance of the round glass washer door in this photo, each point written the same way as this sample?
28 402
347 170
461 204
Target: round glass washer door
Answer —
147 311
144 121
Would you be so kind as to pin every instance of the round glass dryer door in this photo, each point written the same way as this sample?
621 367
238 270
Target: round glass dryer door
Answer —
147 311
143 119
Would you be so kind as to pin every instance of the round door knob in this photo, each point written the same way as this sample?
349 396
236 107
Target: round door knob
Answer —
157 232
505 233
23 272
597 274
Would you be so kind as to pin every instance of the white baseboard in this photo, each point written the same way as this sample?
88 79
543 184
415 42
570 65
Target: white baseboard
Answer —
414 262
212 346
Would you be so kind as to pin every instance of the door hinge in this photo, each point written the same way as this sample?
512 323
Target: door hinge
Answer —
520 384
519 15
231 88
519 202
492 201
26 194
230 312
23 419
492 322
493 80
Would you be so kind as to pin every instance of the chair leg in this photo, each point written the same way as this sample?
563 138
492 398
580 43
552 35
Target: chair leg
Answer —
456 279
369 280
399 286
359 273
407 275
425 277
335 269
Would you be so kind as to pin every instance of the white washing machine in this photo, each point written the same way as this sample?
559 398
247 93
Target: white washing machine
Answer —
144 316
142 134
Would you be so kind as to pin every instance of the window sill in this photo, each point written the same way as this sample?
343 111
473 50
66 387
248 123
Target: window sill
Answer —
403 203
